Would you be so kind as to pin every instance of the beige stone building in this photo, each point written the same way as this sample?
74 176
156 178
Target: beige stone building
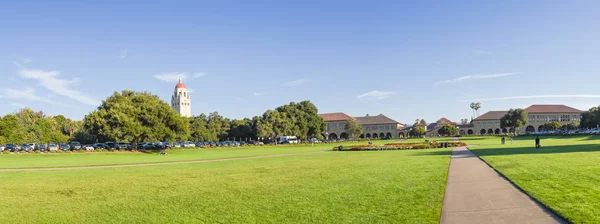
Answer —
373 126
538 115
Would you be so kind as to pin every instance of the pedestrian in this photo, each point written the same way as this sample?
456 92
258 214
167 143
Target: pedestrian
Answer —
511 140
537 142
503 140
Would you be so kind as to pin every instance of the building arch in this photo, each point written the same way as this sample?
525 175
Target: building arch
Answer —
389 135
333 136
541 128
482 131
362 136
368 136
381 135
469 132
401 135
530 129
490 131
375 135
462 132
504 130
324 136
497 131
344 135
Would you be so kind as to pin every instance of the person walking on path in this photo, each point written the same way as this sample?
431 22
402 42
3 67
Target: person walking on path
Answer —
503 140
537 142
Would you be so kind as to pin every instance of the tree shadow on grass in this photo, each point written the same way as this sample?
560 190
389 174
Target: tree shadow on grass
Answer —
507 150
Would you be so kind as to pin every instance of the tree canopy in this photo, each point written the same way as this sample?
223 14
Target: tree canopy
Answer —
515 118
418 131
130 116
353 128
590 118
448 129
135 117
552 126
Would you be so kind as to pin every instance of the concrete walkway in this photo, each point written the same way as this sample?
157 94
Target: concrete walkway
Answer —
476 193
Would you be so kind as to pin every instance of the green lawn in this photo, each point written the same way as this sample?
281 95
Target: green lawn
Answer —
31 160
564 174
333 187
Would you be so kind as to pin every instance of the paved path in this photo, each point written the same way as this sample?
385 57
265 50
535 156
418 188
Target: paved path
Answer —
476 193
155 164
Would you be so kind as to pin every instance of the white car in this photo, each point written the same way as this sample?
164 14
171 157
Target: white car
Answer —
2 148
189 144
88 147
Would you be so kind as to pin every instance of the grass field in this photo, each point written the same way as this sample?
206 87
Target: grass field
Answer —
564 174
330 187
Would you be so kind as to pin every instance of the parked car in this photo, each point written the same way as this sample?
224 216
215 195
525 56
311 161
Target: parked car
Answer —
75 145
100 146
177 144
148 145
88 147
52 147
122 146
41 147
2 148
111 145
189 144
27 147
64 147
11 147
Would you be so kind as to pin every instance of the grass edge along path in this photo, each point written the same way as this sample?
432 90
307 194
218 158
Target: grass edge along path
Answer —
562 175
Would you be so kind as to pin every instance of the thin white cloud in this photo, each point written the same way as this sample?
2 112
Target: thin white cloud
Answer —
21 62
27 94
297 82
479 51
62 87
572 96
259 94
475 77
190 90
174 77
375 95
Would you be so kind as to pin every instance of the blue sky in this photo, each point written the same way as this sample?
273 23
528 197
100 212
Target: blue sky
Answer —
408 60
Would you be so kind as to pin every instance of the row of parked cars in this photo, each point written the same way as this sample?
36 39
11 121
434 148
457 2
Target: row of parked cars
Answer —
27 147
593 131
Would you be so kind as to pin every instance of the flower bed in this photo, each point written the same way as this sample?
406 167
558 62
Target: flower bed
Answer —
399 146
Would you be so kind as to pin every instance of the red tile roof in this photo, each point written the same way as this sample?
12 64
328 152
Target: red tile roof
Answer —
491 115
379 119
444 120
551 109
336 117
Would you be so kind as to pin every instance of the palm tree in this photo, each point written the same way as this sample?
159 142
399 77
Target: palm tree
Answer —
477 107
473 108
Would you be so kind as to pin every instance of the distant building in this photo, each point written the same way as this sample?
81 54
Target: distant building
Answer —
538 115
181 102
373 126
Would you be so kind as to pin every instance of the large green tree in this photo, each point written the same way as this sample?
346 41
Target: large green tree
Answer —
135 117
552 126
514 119
353 128
448 129
418 131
